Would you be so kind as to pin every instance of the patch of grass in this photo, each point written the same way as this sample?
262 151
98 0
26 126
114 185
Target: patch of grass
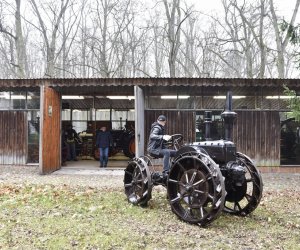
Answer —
64 217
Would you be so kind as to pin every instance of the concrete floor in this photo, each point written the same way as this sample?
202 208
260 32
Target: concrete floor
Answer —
91 167
88 166
94 164
118 161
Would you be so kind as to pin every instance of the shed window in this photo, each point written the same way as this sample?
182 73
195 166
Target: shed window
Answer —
79 115
102 114
289 139
18 100
119 118
33 100
66 115
4 100
79 119
171 102
216 126
33 118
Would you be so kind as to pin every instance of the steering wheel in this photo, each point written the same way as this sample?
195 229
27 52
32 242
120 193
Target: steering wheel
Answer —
175 141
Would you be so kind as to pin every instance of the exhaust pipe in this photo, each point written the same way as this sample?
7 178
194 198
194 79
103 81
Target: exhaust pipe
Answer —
228 116
207 121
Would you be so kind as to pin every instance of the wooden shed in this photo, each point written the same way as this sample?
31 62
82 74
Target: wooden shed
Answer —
31 112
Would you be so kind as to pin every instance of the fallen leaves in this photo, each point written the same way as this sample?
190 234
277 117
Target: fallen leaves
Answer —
93 213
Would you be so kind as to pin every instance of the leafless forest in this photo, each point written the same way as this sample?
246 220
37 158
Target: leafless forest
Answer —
134 38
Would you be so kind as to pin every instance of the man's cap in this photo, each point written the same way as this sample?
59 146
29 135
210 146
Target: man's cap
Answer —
162 118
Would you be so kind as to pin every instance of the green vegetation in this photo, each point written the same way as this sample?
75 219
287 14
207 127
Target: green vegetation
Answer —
65 217
293 103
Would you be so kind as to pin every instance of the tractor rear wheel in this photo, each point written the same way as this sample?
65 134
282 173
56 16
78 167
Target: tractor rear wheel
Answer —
129 145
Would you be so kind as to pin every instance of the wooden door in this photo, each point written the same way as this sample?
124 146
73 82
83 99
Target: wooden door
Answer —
50 146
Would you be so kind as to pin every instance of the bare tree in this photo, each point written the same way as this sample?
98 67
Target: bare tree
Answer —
253 26
121 38
188 49
137 53
282 39
50 40
157 47
7 49
243 39
71 21
228 38
108 40
17 35
207 62
174 22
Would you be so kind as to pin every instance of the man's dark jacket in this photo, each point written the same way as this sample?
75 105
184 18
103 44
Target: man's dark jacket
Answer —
155 143
104 139
71 135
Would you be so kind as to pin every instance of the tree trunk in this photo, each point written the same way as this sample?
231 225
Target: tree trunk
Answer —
22 70
281 40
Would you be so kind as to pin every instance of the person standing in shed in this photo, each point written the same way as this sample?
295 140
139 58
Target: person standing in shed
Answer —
103 142
70 137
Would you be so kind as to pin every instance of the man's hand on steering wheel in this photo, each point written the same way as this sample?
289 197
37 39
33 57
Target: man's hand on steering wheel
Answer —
173 140
167 137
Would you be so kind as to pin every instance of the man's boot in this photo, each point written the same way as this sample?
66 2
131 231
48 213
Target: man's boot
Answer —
165 176
157 178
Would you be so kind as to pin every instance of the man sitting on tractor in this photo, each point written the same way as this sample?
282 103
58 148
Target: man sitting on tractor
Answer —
156 146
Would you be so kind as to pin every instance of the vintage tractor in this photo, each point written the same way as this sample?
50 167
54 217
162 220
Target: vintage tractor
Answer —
124 140
205 178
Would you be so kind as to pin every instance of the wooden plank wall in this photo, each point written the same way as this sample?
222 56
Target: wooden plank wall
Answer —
13 137
257 134
51 139
178 122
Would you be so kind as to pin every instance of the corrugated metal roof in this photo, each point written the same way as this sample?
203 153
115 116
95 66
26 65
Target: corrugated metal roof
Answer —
98 103
95 90
65 82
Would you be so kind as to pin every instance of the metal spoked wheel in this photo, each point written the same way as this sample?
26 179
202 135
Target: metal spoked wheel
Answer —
149 163
196 188
243 199
137 182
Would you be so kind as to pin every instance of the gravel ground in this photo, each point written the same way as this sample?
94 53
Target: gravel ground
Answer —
30 175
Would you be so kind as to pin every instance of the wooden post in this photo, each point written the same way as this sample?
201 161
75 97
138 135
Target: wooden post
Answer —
139 106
